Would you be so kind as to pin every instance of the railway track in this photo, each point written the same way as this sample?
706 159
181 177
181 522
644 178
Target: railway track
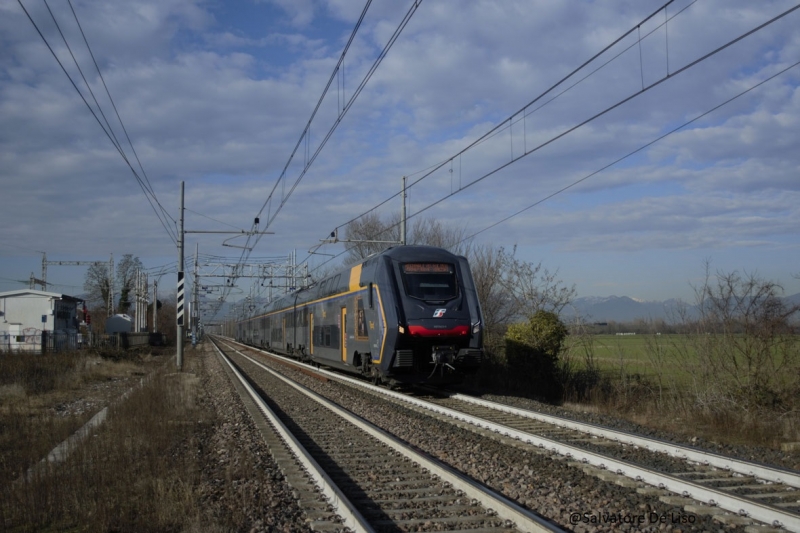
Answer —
702 483
372 480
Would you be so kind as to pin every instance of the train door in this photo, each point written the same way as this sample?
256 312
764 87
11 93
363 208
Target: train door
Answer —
311 333
283 332
344 334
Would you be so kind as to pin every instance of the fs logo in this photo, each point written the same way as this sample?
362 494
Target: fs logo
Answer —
439 313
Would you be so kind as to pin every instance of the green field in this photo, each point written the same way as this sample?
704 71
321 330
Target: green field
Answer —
667 357
629 351
670 360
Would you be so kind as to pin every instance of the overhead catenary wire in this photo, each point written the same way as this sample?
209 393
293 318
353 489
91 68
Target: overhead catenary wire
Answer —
500 126
108 133
247 248
598 115
631 153
116 111
614 106
580 124
616 161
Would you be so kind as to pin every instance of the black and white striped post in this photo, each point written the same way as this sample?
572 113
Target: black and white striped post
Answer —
180 312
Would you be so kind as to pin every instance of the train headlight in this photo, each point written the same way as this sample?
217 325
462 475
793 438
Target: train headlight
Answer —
476 328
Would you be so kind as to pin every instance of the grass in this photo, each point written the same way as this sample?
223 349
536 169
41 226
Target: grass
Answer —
709 385
130 475
166 458
735 389
133 474
673 360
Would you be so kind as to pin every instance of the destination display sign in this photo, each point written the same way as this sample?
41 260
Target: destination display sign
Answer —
427 268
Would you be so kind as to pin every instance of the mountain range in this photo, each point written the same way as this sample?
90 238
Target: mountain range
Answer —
626 309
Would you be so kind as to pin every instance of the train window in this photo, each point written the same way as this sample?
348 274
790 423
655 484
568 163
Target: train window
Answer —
361 320
430 281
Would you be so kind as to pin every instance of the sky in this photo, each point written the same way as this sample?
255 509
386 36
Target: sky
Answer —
701 167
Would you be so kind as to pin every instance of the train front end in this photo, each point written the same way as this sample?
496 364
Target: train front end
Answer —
439 335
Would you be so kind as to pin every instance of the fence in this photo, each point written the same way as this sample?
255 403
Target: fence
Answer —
39 341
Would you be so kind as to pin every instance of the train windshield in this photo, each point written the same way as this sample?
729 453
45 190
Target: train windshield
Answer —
430 281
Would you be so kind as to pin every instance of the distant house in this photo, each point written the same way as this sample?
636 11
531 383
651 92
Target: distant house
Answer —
31 320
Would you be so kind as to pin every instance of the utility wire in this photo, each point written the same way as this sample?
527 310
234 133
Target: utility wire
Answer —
306 132
116 111
634 152
614 106
213 219
503 124
598 115
91 110
506 123
352 99
590 119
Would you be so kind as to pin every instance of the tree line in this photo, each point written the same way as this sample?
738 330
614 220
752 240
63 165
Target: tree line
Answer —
739 331
97 284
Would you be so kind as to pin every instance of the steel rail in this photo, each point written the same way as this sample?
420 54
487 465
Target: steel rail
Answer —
766 472
502 506
340 503
758 511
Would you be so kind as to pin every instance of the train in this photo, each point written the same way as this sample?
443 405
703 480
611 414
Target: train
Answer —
407 315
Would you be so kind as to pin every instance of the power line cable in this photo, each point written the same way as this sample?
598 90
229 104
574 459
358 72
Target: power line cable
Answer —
306 132
209 218
598 115
351 101
614 106
605 111
508 122
91 110
85 81
116 111
634 152
502 125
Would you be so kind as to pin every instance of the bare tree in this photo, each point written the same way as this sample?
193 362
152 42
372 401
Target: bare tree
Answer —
372 234
746 342
497 306
365 231
126 279
432 232
532 287
97 283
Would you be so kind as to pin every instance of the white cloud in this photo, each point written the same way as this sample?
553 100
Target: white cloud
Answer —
222 109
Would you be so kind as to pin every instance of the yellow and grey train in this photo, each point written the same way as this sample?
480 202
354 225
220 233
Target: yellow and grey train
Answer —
409 314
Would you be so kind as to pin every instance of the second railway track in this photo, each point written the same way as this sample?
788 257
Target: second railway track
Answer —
748 496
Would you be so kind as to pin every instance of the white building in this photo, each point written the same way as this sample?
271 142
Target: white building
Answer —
29 317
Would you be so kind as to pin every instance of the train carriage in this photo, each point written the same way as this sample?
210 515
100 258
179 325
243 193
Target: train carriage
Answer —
409 314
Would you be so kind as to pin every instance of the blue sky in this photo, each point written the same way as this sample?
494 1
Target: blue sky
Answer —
217 93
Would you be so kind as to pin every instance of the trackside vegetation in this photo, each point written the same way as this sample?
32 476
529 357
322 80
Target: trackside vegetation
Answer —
730 369
167 458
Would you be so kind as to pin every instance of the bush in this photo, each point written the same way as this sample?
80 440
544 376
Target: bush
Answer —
532 350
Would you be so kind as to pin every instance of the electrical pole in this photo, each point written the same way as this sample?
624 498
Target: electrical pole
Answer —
403 215
195 315
110 303
181 236
155 306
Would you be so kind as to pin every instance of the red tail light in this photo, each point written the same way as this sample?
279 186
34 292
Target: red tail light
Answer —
422 331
